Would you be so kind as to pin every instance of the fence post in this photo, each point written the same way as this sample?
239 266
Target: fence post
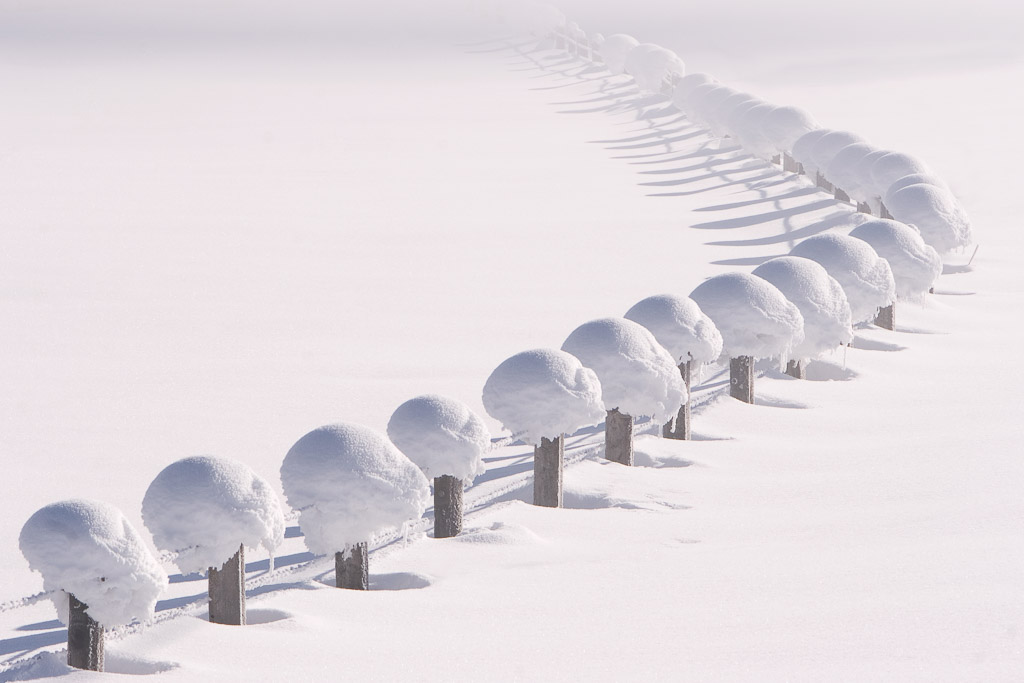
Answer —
680 427
227 591
447 506
741 378
618 437
840 195
352 568
85 637
886 317
863 207
548 465
789 164
884 213
796 368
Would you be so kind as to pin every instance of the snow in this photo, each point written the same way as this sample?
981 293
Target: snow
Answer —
844 170
753 316
543 393
749 129
615 49
866 278
934 211
820 299
890 167
349 483
685 86
819 151
914 179
441 435
638 375
864 190
787 124
915 265
704 98
679 325
88 549
203 508
653 67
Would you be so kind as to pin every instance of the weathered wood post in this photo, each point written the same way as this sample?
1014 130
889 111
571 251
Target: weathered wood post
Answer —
884 212
85 637
863 207
822 182
447 506
840 195
352 568
227 591
789 164
796 368
777 159
618 437
741 378
548 469
680 427
886 317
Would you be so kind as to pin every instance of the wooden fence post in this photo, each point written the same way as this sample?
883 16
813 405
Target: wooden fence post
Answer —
864 208
886 317
447 506
680 427
822 182
352 568
796 368
741 378
840 195
548 466
227 591
618 437
789 164
884 213
85 637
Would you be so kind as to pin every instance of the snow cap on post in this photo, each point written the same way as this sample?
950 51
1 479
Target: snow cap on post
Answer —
817 152
754 317
843 171
651 66
914 179
866 278
348 483
820 298
203 508
935 212
638 376
441 436
88 548
543 393
680 326
915 265
685 85
785 125
614 51
890 167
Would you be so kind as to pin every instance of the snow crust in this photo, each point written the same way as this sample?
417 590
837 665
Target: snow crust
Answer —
543 393
915 265
88 548
785 125
866 278
614 51
441 436
680 326
653 67
934 211
753 316
349 482
203 508
638 375
820 298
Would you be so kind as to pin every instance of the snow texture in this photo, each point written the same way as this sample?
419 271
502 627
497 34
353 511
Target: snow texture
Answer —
935 212
914 179
441 436
753 316
543 393
749 129
785 125
349 482
844 169
820 298
653 67
821 149
680 326
638 375
685 86
203 508
614 51
915 265
703 98
718 114
890 167
865 277
88 548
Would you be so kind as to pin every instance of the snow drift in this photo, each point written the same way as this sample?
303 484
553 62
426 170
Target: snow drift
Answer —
915 265
680 326
785 125
935 212
441 436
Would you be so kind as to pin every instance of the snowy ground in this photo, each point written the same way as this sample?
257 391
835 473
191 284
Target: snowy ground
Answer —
214 251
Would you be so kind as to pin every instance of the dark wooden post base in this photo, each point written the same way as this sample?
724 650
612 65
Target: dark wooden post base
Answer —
618 437
548 467
85 637
884 213
741 378
352 568
840 195
886 317
789 164
864 208
227 591
680 427
796 368
447 506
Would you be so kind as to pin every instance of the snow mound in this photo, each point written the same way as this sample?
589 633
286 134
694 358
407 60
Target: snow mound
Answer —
88 548
703 98
719 115
890 167
614 51
348 483
441 436
785 125
818 151
749 129
865 277
203 508
638 376
685 86
753 316
865 190
543 393
844 171
915 265
653 67
680 326
935 212
820 298
914 179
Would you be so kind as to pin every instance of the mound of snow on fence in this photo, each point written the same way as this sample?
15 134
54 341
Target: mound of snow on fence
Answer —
203 508
890 167
915 265
680 326
844 171
543 393
652 67
615 49
866 278
441 436
753 316
785 125
638 375
348 483
935 212
89 549
816 151
685 86
914 179
821 300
